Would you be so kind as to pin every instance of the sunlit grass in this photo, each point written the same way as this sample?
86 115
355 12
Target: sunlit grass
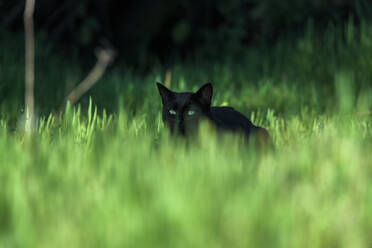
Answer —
98 180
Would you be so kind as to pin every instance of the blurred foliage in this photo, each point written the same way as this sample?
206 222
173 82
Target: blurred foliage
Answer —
311 72
142 30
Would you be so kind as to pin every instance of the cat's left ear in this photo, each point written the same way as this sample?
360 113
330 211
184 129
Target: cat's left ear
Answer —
205 93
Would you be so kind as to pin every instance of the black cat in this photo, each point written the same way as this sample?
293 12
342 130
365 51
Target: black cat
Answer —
183 111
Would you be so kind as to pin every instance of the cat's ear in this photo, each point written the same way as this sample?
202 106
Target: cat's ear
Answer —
165 93
205 93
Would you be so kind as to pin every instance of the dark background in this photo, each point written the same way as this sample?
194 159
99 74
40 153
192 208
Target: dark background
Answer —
290 53
145 31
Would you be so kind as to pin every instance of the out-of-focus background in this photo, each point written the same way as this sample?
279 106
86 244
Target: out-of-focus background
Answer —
144 32
256 39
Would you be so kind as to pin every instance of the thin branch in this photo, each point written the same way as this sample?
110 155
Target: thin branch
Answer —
30 64
104 59
168 78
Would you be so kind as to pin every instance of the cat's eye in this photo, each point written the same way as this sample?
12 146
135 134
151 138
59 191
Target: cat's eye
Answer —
190 112
172 112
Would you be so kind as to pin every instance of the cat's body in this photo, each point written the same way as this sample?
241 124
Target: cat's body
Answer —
182 112
227 118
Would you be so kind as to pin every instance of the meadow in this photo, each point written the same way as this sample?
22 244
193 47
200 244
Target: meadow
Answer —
107 174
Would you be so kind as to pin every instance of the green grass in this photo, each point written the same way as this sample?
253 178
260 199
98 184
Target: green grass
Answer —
103 182
110 176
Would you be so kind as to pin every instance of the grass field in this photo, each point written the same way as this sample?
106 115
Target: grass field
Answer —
109 176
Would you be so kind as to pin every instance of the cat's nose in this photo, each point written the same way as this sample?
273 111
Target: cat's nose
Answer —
181 129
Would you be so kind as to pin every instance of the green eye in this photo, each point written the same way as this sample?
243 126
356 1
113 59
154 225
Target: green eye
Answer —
172 112
191 112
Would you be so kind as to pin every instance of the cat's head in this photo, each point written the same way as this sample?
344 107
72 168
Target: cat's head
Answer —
183 111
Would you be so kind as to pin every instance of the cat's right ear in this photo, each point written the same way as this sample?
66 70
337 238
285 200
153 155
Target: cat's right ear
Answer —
165 93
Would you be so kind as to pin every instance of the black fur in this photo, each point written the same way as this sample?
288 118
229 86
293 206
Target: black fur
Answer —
182 113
